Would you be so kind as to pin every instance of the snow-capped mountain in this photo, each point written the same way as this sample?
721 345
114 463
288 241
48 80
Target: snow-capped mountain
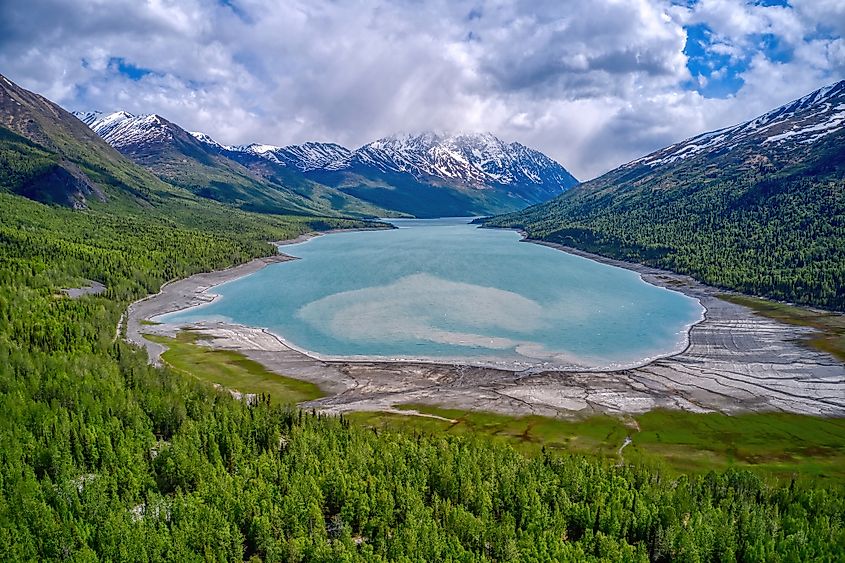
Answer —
197 162
477 159
122 129
803 121
305 157
431 174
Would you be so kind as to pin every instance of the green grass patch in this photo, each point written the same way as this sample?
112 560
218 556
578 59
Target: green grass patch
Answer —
831 326
598 435
774 445
231 369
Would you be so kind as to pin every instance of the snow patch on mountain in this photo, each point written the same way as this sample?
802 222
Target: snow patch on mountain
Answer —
477 159
805 120
313 156
88 117
206 140
121 129
305 157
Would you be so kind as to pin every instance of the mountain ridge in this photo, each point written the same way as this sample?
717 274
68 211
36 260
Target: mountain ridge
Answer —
757 207
424 154
425 174
781 122
203 166
48 155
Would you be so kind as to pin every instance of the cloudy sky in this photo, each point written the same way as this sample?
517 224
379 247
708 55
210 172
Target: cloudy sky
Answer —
591 83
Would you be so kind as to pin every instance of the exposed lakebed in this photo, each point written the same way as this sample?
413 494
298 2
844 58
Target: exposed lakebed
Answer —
447 291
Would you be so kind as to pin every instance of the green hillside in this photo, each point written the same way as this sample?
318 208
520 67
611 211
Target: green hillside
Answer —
405 194
320 196
759 217
48 155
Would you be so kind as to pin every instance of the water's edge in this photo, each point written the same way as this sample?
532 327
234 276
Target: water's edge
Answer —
205 296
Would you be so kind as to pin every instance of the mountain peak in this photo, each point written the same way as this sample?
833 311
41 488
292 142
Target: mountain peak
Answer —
477 159
121 128
206 139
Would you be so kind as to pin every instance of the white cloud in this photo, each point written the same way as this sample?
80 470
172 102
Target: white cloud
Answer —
593 84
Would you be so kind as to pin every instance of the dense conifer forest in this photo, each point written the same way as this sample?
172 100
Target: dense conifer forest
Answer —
732 220
103 457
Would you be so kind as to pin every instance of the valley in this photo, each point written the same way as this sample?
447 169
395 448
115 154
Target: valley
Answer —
125 435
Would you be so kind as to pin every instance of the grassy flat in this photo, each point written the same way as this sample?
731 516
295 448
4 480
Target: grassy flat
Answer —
232 370
776 444
771 444
831 326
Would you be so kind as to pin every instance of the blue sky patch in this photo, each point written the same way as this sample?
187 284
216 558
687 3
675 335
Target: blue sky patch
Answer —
237 10
720 71
127 69
717 64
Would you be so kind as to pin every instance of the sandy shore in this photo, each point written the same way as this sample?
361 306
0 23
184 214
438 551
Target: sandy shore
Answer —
736 361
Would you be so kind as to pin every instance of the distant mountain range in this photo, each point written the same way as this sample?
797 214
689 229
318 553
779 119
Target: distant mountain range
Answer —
758 207
423 175
204 168
480 160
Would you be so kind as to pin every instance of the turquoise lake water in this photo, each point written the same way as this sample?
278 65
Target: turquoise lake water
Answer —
444 290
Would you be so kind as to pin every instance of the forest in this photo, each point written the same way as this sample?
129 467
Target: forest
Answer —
779 235
103 457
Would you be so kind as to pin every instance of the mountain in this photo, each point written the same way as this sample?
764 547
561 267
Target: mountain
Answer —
479 160
758 207
284 166
48 155
196 162
305 157
432 174
423 175
781 134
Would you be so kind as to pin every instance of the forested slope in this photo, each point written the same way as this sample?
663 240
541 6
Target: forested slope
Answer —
105 457
758 208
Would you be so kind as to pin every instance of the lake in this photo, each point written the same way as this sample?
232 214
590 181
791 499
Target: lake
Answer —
446 291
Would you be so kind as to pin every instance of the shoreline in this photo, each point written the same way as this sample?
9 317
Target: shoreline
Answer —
734 361
207 297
